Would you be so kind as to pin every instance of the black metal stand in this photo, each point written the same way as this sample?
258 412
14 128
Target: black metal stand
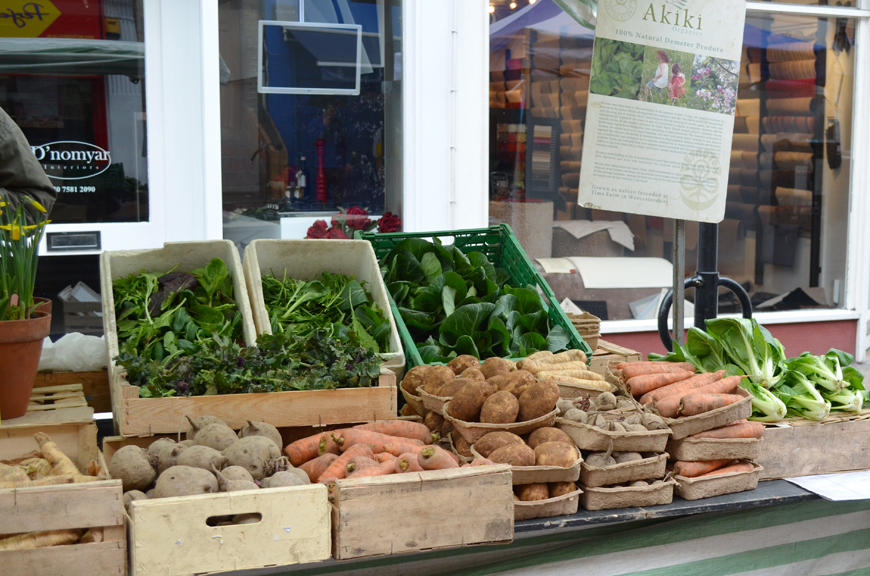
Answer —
706 283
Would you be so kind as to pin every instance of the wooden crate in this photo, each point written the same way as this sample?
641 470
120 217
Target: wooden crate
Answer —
607 352
84 506
171 536
837 445
135 416
95 386
418 511
84 317
148 416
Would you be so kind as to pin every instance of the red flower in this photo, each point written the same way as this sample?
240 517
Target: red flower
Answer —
336 233
356 218
317 230
389 222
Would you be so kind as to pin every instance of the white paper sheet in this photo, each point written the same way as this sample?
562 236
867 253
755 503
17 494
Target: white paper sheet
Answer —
556 265
837 487
618 230
624 272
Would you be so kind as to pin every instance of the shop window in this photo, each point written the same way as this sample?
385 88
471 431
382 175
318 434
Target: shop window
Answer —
72 76
310 113
784 236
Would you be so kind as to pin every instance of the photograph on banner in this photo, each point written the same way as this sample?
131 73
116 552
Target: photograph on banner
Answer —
660 115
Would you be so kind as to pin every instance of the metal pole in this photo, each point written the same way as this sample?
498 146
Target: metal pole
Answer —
679 262
707 292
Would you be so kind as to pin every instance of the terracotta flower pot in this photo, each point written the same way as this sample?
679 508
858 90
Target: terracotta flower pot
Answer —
20 348
44 304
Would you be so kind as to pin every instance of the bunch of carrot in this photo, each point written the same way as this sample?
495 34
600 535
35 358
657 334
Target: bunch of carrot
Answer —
705 468
374 449
675 390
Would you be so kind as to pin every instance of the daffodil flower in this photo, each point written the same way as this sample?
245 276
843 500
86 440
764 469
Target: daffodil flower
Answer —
38 206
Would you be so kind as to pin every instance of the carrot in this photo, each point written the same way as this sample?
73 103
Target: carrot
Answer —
480 462
382 457
61 465
376 470
739 467
359 463
400 429
742 430
669 406
693 469
336 470
700 402
408 463
640 385
398 448
684 386
376 440
632 369
303 450
314 468
435 458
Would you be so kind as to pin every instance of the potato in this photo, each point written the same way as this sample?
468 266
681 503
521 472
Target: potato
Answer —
218 436
413 378
495 440
533 492
408 410
130 464
132 496
463 448
435 377
433 421
462 363
263 429
556 454
518 381
201 422
153 450
495 366
500 408
561 488
202 457
449 389
292 477
168 456
236 473
446 428
256 454
227 485
473 374
499 382
548 434
538 400
466 404
513 454
185 481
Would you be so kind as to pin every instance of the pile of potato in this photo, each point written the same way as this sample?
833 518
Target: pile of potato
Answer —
212 459
611 413
494 392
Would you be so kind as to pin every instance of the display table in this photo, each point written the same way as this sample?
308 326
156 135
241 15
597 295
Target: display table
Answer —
778 528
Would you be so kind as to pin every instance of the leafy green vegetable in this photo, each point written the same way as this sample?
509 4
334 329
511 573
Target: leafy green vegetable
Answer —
617 68
164 316
330 304
279 362
455 303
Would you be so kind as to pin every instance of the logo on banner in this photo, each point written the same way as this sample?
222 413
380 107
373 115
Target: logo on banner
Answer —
72 160
26 19
620 9
699 179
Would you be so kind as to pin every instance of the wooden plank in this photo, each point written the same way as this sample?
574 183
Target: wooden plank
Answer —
77 440
148 416
95 386
43 390
792 451
422 511
102 558
80 415
169 536
88 505
65 403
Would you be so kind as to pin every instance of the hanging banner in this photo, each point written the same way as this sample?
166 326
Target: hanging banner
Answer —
662 95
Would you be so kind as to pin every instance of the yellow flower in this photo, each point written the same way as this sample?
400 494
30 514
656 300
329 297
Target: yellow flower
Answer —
38 206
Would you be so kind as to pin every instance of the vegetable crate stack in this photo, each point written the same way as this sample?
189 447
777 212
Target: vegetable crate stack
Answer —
479 296
623 446
217 500
713 446
183 342
503 412
61 515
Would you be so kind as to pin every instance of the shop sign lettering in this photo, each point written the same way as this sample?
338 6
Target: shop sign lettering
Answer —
72 160
26 19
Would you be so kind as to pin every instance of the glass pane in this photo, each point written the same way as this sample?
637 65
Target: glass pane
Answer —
72 76
325 142
785 230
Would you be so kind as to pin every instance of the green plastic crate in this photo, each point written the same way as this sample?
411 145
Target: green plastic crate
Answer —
503 250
